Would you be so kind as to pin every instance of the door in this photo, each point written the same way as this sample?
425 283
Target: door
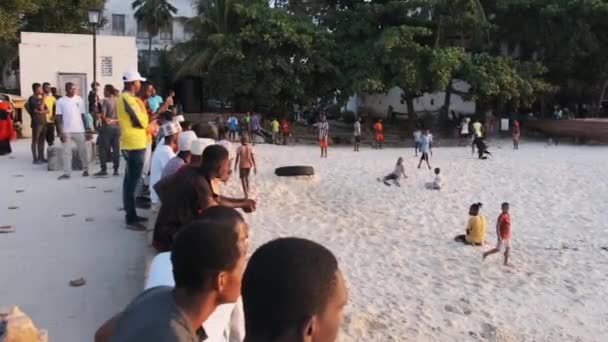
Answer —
80 80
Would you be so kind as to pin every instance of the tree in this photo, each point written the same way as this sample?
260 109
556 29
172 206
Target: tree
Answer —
154 15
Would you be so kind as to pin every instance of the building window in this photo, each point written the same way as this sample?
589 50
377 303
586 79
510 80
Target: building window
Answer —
118 24
142 32
166 32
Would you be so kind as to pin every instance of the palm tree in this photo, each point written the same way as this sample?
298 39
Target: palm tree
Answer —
153 14
211 28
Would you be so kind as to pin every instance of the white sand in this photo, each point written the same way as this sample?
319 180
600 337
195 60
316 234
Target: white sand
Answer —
408 280
47 251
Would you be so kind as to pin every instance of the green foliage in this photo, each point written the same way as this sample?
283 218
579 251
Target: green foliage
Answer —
60 16
153 14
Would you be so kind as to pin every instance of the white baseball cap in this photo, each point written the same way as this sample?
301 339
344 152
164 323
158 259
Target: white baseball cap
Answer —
185 140
199 145
131 76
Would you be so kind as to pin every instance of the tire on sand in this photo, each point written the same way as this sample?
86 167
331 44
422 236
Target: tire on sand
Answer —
294 171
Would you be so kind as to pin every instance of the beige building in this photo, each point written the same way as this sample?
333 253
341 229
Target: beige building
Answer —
59 58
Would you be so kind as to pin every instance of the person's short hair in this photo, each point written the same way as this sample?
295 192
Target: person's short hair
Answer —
53 89
68 85
437 170
201 250
286 282
223 214
186 125
109 88
213 156
35 86
46 84
504 204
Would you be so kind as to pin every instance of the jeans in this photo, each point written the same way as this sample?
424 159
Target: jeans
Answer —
81 144
38 136
135 164
109 140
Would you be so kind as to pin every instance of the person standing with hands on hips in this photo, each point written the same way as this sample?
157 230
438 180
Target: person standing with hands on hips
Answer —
72 125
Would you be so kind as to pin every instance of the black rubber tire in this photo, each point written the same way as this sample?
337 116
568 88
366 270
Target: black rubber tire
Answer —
293 171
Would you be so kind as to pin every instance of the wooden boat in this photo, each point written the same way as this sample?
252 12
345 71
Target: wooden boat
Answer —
580 129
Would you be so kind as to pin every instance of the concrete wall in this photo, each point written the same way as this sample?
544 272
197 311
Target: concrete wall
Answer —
43 56
429 102
185 9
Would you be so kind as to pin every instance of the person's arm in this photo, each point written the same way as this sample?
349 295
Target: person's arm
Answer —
59 123
255 167
248 205
134 119
498 230
106 330
238 156
165 105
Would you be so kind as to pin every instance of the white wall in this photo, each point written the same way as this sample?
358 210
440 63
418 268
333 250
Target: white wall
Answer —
42 56
429 102
185 8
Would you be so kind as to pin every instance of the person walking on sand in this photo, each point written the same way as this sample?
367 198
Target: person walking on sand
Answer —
274 127
417 136
516 133
426 145
396 174
357 134
378 134
245 161
72 125
476 227
503 234
323 128
477 134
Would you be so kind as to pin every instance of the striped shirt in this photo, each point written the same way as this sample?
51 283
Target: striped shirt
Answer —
323 130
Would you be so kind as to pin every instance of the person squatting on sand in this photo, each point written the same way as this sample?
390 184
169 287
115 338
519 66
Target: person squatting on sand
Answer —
396 174
476 227
188 193
245 161
208 260
293 291
426 145
503 234
438 183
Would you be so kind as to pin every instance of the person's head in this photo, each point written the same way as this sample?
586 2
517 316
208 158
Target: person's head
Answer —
244 140
153 91
504 207
234 219
197 149
208 259
70 89
36 88
474 209
216 163
53 91
171 93
186 125
146 91
46 87
94 85
293 290
108 90
184 143
400 161
427 131
132 81
437 170
323 118
170 131
171 141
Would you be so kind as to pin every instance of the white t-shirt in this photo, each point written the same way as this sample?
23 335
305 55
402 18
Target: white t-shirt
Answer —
465 126
160 158
357 129
71 109
438 183
399 169
226 323
477 129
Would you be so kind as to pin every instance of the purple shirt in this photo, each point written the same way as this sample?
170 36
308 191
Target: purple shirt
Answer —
173 166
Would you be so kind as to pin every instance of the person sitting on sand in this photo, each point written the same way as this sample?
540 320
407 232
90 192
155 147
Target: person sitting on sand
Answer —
476 228
438 183
208 262
426 145
293 291
188 193
503 234
396 174
227 320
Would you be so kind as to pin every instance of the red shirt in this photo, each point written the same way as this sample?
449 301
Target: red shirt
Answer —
516 127
378 127
504 226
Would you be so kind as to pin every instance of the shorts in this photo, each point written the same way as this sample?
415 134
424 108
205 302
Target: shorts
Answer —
323 143
244 173
506 243
357 138
417 145
515 136
424 156
379 137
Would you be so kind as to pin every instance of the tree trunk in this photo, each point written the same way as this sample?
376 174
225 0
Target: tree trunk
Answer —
599 102
411 113
149 52
445 110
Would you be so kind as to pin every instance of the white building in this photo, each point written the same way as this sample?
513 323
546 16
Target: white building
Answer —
121 22
59 58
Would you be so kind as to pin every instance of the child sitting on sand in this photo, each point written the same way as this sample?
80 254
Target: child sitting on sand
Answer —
503 234
437 184
396 174
476 228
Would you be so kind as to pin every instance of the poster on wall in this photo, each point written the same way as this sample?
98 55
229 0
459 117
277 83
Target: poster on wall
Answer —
106 66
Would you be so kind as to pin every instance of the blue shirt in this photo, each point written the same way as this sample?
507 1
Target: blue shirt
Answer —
425 144
154 102
233 123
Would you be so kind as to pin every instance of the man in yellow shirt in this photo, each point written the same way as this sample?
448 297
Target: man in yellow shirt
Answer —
133 121
476 227
49 102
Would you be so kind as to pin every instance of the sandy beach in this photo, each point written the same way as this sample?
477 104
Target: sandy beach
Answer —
407 279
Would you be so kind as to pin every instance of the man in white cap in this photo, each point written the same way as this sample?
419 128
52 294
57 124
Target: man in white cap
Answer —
133 120
184 143
196 152
163 154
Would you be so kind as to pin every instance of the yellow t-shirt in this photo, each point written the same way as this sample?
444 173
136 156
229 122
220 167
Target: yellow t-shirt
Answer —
49 102
131 138
476 229
275 126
